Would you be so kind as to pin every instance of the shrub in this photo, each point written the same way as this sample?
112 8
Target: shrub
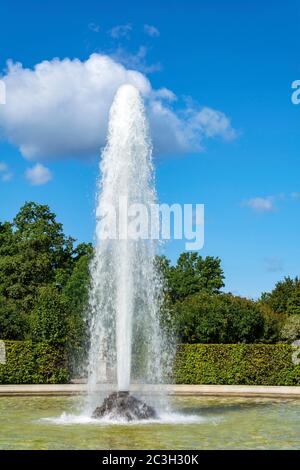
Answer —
240 364
291 328
28 362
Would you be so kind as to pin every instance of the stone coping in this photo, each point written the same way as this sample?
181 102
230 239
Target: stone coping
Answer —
175 390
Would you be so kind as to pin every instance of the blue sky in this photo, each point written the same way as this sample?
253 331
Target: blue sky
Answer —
237 59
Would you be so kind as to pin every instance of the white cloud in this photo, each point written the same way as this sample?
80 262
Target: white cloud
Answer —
267 204
121 30
94 27
136 61
164 93
3 167
38 175
151 30
60 109
260 204
5 173
213 123
2 92
6 177
273 264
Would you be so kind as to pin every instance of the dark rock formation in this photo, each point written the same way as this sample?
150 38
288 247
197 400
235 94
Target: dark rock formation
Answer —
125 406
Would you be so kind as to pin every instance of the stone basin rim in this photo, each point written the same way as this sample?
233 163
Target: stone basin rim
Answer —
246 391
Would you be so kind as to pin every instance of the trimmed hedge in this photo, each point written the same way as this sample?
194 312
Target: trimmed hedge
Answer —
236 364
232 364
33 363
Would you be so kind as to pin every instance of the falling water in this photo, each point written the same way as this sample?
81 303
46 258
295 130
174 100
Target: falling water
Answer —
126 341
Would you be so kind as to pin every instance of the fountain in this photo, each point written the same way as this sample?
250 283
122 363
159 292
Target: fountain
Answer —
126 290
125 406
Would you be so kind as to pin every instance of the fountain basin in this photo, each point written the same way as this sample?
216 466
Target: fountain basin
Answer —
196 422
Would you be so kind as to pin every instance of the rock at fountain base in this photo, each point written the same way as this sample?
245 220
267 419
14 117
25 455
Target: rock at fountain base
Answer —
125 406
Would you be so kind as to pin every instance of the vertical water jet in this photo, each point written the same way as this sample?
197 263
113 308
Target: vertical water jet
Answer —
126 290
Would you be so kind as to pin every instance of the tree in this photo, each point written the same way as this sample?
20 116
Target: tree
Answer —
49 320
293 305
34 252
192 274
76 291
222 318
12 324
273 323
43 278
8 250
280 299
291 328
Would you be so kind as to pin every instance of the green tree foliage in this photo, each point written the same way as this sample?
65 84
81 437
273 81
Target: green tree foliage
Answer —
76 291
49 321
43 278
12 324
293 305
273 323
192 274
291 328
34 251
195 308
285 297
223 318
44 283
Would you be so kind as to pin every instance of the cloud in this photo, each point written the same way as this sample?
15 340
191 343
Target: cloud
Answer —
122 30
151 31
164 93
6 177
5 173
260 204
136 61
212 123
59 109
94 27
38 175
267 204
273 264
2 92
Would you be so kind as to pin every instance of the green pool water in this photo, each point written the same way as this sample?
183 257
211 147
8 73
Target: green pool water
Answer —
195 423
